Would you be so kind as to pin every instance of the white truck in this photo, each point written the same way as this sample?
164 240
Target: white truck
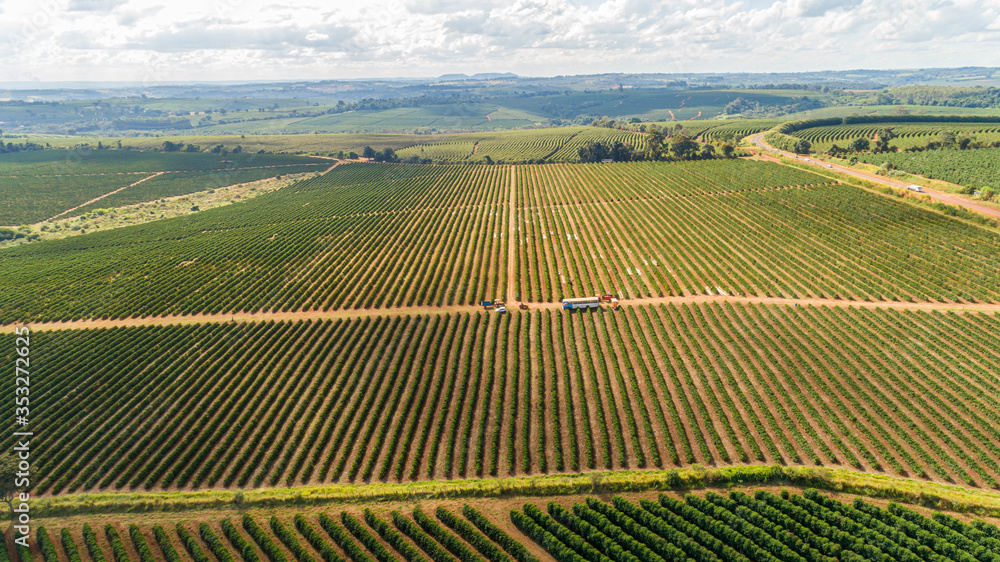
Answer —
915 187
582 302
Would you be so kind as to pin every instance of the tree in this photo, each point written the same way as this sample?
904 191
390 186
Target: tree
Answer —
801 146
594 152
860 144
882 141
707 152
8 474
386 155
947 139
654 143
683 147
727 149
368 152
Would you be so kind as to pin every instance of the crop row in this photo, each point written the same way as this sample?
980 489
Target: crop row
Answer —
976 169
907 134
738 128
369 236
764 528
451 536
641 230
385 235
558 145
460 395
82 162
706 527
36 186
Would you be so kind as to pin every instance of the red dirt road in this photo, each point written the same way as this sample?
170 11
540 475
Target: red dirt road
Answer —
401 311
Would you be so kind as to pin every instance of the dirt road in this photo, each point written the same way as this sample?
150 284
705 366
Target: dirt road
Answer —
758 140
400 311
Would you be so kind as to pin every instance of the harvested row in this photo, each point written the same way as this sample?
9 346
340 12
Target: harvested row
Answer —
643 230
449 396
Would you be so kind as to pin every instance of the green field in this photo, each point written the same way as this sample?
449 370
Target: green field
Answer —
977 168
446 396
38 185
738 526
651 104
908 135
555 143
306 374
696 228
368 235
365 235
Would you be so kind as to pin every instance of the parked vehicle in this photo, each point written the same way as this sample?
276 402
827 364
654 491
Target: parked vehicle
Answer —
582 302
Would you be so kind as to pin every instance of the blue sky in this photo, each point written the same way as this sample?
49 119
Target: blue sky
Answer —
144 40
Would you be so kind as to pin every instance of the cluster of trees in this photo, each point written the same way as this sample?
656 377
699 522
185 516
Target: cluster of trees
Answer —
862 144
609 123
660 147
22 147
952 140
944 140
619 152
385 155
179 146
977 96
756 110
787 142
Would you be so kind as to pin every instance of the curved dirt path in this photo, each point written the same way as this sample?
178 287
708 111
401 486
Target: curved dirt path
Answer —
409 310
948 198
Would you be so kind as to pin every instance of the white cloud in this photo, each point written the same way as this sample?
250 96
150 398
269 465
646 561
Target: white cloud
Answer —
271 39
94 5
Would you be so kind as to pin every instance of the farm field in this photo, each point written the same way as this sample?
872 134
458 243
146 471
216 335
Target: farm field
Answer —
362 236
740 525
739 128
465 395
444 231
975 168
450 117
183 183
642 230
907 134
889 110
38 185
651 104
557 145
511 146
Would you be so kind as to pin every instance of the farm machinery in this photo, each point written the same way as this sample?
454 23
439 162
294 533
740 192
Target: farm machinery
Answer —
497 304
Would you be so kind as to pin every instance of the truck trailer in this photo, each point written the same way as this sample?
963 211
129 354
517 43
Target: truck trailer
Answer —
582 302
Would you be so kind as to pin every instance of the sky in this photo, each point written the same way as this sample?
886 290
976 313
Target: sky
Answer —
180 40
